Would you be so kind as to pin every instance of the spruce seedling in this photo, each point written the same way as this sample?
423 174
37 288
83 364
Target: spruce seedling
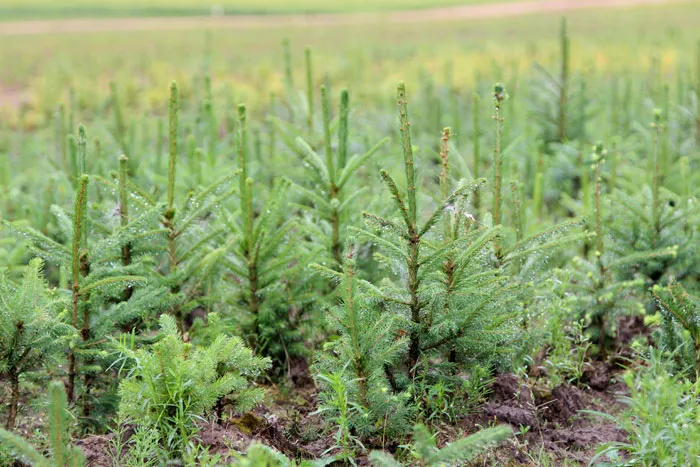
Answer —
681 312
192 253
656 220
468 297
94 281
32 333
367 344
419 295
265 261
602 289
212 125
79 268
331 173
168 217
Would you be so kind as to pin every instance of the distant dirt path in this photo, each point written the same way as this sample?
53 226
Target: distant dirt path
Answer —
493 10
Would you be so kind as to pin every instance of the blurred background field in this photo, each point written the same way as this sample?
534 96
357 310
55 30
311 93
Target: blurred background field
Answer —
15 9
39 70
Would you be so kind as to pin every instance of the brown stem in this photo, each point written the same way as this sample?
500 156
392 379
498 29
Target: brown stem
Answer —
336 247
350 306
87 378
72 363
415 306
169 225
601 337
14 400
70 385
219 409
254 301
85 332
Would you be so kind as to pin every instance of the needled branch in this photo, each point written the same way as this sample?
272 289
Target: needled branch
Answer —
168 221
82 150
79 268
344 114
499 95
327 144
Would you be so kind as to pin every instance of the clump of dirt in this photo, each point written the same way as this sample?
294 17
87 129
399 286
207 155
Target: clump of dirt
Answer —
630 327
507 388
300 373
511 402
221 439
551 420
512 415
97 450
597 375
564 402
583 438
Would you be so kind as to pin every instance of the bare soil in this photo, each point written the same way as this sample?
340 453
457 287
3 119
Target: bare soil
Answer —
544 419
491 10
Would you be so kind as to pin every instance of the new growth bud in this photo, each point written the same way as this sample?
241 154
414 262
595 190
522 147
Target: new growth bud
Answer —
499 94
599 152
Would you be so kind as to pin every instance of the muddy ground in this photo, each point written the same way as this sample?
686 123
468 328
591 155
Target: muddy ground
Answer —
542 418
